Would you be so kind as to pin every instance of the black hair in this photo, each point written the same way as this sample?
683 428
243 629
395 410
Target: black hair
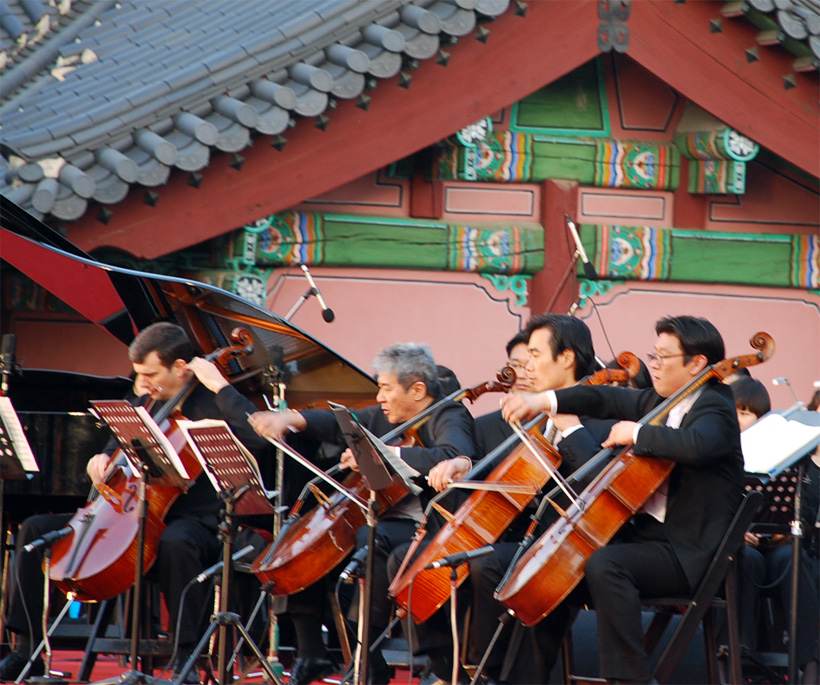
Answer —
751 395
696 336
447 380
568 333
520 338
168 340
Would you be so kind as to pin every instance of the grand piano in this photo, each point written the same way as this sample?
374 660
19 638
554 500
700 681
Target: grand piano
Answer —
53 405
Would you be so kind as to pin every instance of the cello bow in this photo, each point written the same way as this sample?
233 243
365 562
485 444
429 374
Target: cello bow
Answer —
554 565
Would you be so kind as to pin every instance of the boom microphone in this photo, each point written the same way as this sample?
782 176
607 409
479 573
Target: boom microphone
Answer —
453 560
353 565
7 361
589 270
48 539
216 568
327 312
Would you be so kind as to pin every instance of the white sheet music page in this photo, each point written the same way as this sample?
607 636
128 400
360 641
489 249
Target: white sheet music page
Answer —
774 439
12 430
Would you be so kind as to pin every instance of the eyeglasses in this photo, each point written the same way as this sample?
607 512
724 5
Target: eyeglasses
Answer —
518 365
655 358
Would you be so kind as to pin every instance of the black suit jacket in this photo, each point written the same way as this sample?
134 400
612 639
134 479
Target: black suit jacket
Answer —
706 485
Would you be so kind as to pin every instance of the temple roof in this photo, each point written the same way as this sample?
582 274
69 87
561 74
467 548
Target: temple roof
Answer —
100 95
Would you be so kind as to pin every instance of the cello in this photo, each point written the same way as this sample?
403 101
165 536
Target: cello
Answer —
310 546
486 514
97 561
551 568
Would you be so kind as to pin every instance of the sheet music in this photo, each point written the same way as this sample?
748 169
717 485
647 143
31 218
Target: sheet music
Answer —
132 424
401 467
774 440
228 464
13 441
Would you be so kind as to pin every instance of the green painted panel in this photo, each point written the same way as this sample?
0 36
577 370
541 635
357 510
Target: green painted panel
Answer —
575 104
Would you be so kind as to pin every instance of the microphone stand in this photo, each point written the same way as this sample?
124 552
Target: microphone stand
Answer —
46 642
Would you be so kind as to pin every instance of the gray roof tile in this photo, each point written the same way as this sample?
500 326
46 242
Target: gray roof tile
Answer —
174 78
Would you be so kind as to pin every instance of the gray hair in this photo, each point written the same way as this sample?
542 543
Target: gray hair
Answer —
410 362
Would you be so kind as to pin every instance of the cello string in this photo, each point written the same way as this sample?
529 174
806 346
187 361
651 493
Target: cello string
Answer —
559 479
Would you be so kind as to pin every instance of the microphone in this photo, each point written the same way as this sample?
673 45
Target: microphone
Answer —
453 560
48 539
7 361
353 565
327 312
783 379
216 568
589 270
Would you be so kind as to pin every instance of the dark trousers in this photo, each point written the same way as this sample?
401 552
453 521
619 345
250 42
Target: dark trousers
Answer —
25 603
540 644
186 547
772 569
617 577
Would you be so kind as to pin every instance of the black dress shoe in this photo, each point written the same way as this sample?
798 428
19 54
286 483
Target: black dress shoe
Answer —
305 671
12 666
192 677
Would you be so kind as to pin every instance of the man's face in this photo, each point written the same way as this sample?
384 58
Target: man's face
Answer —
545 372
399 405
519 357
157 379
669 373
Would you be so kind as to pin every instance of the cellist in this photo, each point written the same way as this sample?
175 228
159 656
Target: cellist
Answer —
668 545
408 384
558 352
163 361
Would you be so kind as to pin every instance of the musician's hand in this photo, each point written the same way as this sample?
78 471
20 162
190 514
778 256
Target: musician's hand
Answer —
751 539
620 434
208 374
566 421
275 424
95 468
348 461
523 405
447 471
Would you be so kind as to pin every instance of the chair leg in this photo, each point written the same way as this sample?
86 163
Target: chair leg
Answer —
735 647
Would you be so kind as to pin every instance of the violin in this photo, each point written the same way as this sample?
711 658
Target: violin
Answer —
98 560
486 514
310 546
549 570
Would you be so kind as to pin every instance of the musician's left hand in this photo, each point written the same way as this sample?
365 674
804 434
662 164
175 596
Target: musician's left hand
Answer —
208 374
348 461
620 434
447 471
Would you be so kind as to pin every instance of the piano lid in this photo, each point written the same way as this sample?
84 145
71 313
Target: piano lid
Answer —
123 302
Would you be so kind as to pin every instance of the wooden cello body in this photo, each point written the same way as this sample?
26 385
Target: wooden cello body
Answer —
311 546
486 514
98 560
552 567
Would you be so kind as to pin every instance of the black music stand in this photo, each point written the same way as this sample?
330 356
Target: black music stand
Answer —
776 442
234 474
153 458
375 466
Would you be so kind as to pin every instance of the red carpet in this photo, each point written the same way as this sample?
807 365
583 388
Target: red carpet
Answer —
110 667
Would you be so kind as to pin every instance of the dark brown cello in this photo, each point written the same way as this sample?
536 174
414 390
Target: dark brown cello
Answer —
311 546
98 560
486 514
549 570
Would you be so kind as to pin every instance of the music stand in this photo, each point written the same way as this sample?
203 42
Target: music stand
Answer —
152 457
373 460
774 443
17 462
235 476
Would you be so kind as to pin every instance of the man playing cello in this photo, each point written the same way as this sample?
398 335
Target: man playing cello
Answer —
408 384
667 547
163 359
